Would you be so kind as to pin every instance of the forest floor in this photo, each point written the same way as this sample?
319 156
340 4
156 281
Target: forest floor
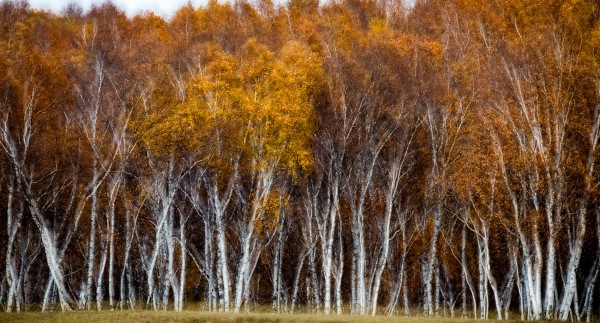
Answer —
203 316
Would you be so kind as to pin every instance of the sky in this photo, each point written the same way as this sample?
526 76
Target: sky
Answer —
164 8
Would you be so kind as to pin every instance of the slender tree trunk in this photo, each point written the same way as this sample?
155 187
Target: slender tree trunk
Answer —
92 238
394 177
314 280
297 275
400 283
550 266
327 244
47 294
405 292
164 188
111 240
13 222
208 264
278 250
125 260
437 288
508 286
573 264
223 266
463 264
570 272
430 262
244 267
182 259
50 250
339 272
485 267
100 278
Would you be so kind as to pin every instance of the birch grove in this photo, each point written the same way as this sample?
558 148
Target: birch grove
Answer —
430 158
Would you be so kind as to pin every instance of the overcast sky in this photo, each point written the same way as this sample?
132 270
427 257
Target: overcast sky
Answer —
164 8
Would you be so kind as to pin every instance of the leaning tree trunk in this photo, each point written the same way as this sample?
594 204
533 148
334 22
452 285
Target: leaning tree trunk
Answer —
395 173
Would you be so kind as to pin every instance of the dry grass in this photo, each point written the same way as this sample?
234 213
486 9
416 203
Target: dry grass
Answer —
203 316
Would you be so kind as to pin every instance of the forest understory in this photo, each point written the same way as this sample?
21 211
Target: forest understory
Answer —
351 157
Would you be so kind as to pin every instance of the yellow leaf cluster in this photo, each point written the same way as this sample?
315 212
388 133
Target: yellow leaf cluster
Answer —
259 104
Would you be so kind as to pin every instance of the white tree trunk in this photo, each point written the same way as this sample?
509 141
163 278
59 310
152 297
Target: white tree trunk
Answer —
13 222
339 271
278 250
297 275
164 187
111 239
100 277
395 173
208 265
430 262
488 272
182 260
550 265
571 279
243 268
223 267
92 240
570 272
328 229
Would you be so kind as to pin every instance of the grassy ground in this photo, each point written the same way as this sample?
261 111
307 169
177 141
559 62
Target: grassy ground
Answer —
203 316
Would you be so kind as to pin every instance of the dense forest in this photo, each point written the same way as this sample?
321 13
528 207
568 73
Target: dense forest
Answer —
352 156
